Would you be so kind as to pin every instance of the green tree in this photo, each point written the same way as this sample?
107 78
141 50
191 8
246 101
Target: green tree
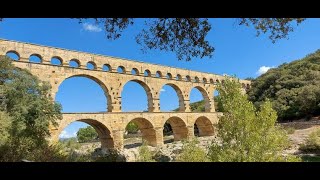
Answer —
245 133
31 111
86 134
293 88
187 37
190 152
132 127
145 155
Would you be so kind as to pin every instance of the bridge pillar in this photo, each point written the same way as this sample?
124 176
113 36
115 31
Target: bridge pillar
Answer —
180 132
212 105
190 132
159 136
187 105
118 139
156 105
107 143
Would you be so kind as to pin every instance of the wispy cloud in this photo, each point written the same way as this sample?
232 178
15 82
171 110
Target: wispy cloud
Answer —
91 27
65 134
263 69
162 90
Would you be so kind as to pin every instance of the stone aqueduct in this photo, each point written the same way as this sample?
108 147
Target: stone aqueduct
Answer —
111 124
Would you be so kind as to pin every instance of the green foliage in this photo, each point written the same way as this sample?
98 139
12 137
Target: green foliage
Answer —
246 134
5 123
87 134
312 143
145 155
293 88
192 153
199 106
30 109
70 143
132 128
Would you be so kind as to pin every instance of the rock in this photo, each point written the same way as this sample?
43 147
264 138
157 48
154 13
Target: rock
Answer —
161 156
108 155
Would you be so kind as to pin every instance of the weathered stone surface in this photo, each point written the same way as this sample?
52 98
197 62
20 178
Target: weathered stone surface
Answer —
111 124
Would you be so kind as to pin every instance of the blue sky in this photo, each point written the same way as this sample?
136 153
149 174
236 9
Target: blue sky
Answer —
237 52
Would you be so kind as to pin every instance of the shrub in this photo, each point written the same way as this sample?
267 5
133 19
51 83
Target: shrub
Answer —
312 143
192 153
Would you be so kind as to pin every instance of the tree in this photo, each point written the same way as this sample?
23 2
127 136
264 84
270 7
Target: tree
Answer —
190 152
30 109
293 88
87 134
132 127
187 36
245 133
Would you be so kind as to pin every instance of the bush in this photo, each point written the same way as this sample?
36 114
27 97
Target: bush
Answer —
132 128
312 143
145 155
192 153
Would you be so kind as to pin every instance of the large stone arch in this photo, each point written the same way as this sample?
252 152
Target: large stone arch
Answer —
99 82
182 107
147 130
147 90
104 132
205 97
179 128
205 126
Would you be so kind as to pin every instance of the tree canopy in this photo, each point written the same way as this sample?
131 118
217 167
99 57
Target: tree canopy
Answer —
86 134
293 88
187 37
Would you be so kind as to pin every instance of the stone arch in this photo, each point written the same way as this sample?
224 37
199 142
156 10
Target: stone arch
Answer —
147 90
159 74
147 73
204 80
100 83
106 67
104 132
169 76
211 81
178 77
15 53
205 97
76 61
135 71
56 58
179 128
204 126
35 58
180 96
93 64
188 78
196 79
147 130
121 70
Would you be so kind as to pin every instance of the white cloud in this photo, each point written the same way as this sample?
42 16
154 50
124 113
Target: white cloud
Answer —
263 69
65 134
162 90
91 27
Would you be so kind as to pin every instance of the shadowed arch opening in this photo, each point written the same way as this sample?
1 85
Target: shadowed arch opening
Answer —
102 138
204 80
35 58
106 67
211 81
83 93
133 97
169 76
75 63
135 71
145 133
55 60
203 127
159 74
91 65
196 79
121 70
14 55
199 100
188 78
178 77
175 129
147 73
171 98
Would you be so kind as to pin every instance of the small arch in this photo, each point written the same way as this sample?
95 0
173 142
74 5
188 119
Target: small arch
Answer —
158 74
147 130
203 127
91 65
147 73
217 81
248 86
177 127
169 76
196 79
204 80
56 60
178 77
135 71
211 81
121 70
74 63
35 58
14 55
106 67
188 78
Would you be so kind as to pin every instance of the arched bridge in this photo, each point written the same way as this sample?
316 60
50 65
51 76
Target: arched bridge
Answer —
56 65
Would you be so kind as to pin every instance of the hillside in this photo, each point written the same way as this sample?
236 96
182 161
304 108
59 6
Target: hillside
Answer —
294 88
199 106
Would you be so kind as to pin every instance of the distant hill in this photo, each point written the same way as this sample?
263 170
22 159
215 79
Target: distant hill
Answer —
293 88
199 106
